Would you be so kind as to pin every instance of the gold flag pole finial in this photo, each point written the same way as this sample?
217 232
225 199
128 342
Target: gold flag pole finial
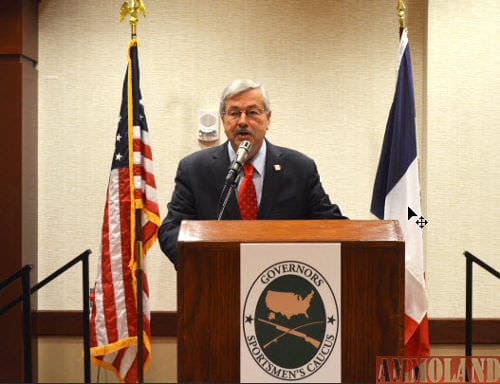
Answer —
402 14
132 8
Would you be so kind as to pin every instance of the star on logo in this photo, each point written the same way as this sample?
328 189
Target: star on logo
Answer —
331 319
248 319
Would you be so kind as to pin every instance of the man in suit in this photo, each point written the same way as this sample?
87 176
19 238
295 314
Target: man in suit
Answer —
287 183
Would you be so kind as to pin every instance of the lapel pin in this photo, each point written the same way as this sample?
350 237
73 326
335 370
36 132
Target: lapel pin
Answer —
277 167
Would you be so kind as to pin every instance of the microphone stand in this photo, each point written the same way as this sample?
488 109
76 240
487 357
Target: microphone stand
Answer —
228 189
233 175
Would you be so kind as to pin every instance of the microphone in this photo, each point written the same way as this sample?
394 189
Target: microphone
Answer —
241 158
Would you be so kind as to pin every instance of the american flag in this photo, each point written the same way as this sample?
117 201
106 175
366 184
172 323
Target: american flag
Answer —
131 187
396 190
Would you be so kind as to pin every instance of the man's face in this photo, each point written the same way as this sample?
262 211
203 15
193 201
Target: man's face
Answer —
252 125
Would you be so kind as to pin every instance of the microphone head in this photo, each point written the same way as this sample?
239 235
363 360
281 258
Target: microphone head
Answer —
242 153
241 158
246 145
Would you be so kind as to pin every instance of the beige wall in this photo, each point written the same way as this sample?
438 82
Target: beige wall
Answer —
463 165
329 67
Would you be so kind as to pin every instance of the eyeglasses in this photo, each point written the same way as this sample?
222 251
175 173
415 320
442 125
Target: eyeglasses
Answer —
253 113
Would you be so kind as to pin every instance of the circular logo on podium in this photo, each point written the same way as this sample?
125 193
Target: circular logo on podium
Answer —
290 320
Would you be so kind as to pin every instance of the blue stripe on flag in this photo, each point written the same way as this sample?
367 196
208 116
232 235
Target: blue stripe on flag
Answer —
400 146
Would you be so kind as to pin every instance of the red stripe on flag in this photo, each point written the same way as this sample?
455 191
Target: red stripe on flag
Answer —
417 337
108 293
149 230
149 178
144 148
126 238
146 176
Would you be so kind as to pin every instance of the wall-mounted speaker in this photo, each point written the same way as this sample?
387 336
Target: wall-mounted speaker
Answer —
208 126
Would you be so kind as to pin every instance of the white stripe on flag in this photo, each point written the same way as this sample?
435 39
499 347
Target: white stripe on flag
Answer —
110 357
146 305
406 194
142 134
136 132
127 360
115 252
100 321
415 297
138 183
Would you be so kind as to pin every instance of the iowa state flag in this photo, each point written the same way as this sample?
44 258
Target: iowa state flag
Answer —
396 191
131 187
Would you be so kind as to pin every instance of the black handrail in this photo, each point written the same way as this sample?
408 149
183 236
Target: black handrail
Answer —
468 296
24 274
25 298
15 276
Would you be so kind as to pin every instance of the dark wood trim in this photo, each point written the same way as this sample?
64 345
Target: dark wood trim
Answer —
164 324
70 323
452 331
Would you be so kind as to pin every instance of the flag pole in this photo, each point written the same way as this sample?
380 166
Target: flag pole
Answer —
133 8
139 276
402 16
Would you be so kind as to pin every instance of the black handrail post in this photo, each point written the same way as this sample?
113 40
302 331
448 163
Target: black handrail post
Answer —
27 334
86 316
468 306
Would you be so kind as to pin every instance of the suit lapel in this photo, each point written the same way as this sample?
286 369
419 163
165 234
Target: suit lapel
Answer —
272 181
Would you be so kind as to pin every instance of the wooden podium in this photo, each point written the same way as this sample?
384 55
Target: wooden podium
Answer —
208 282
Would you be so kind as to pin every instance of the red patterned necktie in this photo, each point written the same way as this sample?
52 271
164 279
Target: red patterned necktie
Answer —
247 197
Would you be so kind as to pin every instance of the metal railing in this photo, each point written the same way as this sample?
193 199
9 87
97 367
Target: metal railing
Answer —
25 298
468 296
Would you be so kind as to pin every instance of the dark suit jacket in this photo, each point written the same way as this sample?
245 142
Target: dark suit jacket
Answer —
291 190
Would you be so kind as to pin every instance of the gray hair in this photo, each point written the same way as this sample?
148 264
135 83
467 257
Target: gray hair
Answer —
239 86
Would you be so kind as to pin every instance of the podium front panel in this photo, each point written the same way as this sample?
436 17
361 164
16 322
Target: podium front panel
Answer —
208 279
